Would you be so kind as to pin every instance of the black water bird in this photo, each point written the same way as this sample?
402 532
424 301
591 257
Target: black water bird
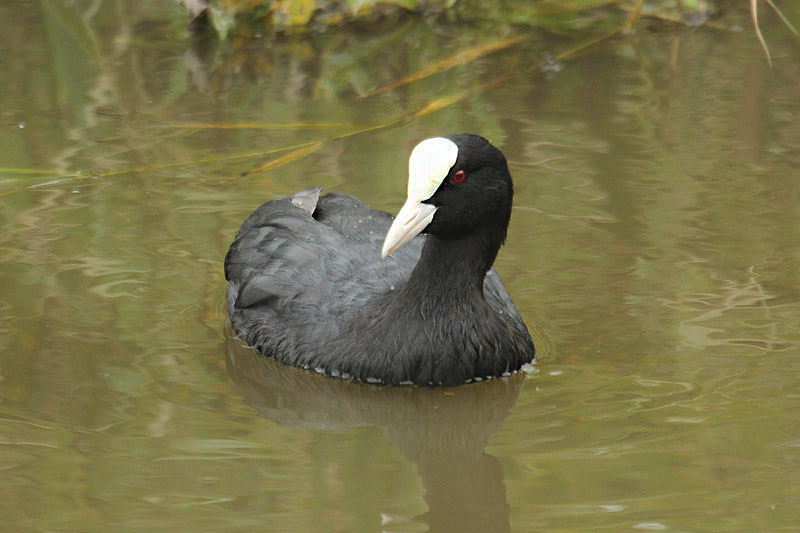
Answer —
327 283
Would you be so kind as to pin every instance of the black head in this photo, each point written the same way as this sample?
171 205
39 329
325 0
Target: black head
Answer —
457 185
476 192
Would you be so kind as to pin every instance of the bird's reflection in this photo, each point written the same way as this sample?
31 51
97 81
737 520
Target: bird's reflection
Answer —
443 431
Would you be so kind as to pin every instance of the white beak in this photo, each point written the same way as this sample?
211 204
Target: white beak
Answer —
410 221
428 166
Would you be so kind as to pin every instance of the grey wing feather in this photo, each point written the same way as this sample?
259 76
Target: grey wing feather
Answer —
294 243
307 199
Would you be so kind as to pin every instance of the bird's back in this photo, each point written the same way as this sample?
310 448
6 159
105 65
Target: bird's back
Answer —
302 268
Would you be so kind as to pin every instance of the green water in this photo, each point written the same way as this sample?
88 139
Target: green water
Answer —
654 250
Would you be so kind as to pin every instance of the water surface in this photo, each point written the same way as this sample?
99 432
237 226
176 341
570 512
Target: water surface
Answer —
653 250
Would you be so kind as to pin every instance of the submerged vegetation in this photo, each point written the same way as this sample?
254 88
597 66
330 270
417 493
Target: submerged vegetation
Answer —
300 15
415 58
235 16
225 15
244 24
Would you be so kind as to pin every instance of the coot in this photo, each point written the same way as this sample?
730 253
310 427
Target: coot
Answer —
329 284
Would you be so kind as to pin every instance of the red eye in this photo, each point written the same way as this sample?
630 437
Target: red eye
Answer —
459 176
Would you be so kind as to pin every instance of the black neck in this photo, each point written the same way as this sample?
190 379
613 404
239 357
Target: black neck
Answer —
453 268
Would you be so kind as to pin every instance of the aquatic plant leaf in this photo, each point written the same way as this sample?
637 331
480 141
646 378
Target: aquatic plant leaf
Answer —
460 58
294 155
265 126
591 42
438 104
634 15
782 17
27 171
214 159
754 14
